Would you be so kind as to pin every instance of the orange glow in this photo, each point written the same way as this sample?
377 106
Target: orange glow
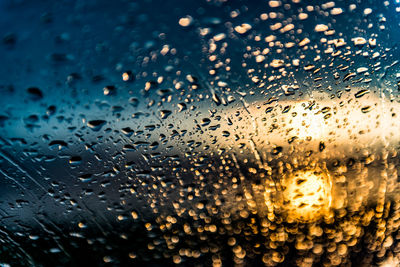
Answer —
306 195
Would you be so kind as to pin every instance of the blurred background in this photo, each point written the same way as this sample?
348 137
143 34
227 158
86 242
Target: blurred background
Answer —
199 133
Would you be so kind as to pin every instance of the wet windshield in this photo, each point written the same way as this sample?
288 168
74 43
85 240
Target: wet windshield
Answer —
199 133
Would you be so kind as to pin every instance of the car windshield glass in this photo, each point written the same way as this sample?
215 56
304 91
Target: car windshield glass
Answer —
199 133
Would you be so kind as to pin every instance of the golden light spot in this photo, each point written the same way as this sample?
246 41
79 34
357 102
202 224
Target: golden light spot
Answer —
242 29
125 76
134 215
306 195
132 255
321 28
185 21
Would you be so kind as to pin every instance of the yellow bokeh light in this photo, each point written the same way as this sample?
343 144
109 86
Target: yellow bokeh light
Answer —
306 195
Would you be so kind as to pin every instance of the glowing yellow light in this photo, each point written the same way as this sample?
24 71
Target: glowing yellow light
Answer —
306 195
309 126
